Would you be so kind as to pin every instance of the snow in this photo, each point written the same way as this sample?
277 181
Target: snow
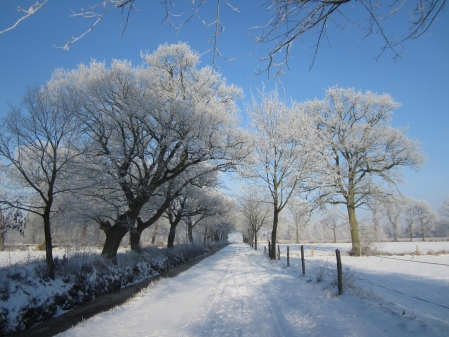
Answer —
240 292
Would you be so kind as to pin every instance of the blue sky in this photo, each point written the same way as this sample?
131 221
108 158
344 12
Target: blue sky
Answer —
420 81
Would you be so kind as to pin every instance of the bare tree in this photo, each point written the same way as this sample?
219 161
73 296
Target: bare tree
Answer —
363 153
425 218
11 220
444 209
377 213
151 124
301 212
393 210
332 219
254 212
292 20
410 219
418 213
40 147
283 158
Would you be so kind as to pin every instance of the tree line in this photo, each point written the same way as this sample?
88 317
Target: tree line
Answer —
124 146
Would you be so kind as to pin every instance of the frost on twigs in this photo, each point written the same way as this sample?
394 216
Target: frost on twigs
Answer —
28 12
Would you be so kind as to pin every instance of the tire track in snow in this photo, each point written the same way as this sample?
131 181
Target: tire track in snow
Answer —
203 310
240 306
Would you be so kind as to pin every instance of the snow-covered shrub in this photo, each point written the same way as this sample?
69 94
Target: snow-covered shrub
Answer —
28 296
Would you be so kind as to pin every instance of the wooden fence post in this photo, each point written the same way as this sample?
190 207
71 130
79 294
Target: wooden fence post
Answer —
288 256
313 251
302 260
339 272
264 249
279 253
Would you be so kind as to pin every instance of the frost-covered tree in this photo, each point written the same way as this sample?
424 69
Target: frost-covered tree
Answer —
150 124
364 153
444 209
209 204
394 206
300 210
410 218
377 213
254 212
40 147
192 204
283 157
333 219
424 217
11 220
419 217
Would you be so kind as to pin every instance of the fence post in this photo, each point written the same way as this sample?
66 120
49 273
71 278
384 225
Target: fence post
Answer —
339 272
302 260
417 250
288 256
269 248
279 253
264 249
313 251
360 247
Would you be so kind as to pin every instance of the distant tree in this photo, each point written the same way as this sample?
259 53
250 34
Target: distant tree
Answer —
254 212
40 147
11 220
300 211
363 152
418 213
377 213
394 207
410 219
333 219
444 209
425 218
283 158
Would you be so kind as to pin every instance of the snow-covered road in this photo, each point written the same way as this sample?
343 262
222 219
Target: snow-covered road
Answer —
239 292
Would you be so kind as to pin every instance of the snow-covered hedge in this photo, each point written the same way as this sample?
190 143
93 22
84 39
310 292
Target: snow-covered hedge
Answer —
28 297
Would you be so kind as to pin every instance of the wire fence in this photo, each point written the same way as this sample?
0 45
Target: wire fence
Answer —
332 268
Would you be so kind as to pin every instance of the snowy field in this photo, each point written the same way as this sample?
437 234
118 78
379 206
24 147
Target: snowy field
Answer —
239 292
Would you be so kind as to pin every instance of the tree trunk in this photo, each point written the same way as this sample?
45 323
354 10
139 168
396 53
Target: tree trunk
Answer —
153 238
335 236
48 243
83 234
172 235
190 231
273 233
114 235
297 233
423 232
134 240
2 241
411 234
395 233
354 225
255 240
205 236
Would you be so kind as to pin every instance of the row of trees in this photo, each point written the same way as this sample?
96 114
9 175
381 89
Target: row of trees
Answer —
402 219
126 145
120 145
340 150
